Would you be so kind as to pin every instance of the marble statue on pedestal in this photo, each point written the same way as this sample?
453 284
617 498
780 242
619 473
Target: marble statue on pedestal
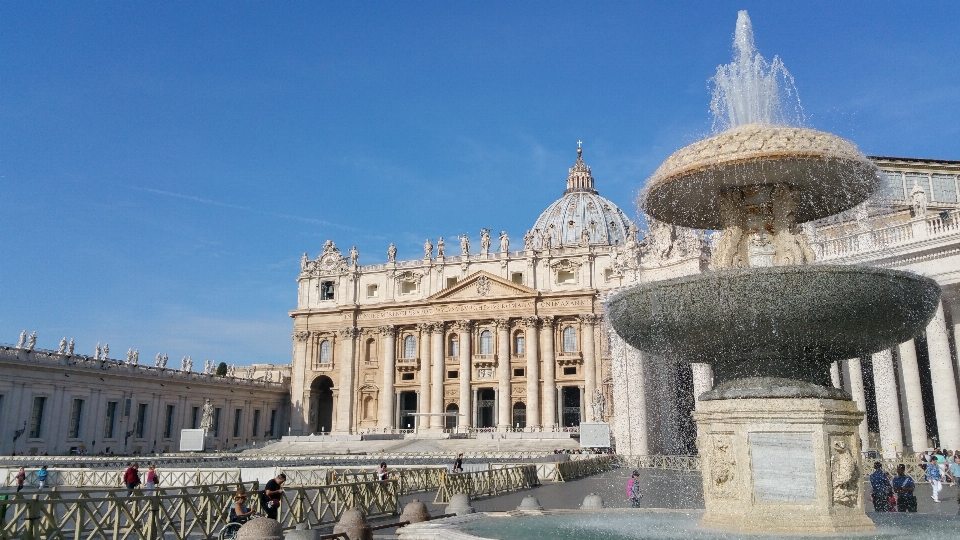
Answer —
70 347
23 339
392 253
63 346
32 341
504 242
440 247
206 419
427 249
464 244
354 256
484 241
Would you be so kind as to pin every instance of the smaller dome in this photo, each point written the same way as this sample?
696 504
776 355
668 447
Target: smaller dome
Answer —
581 207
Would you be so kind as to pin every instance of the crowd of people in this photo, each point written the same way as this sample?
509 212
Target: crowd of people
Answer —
895 493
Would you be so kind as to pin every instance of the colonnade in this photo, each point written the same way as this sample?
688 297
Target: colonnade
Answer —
540 393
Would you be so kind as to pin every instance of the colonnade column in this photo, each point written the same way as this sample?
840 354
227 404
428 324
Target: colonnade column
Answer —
587 323
423 398
835 375
436 394
910 372
503 374
944 387
549 373
702 381
388 334
532 342
855 376
888 406
347 370
466 359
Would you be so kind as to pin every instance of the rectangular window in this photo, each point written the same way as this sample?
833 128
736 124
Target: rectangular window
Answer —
944 188
110 425
408 287
36 420
237 414
126 407
373 291
891 186
453 374
141 419
451 281
518 372
168 423
517 277
76 416
216 422
195 418
326 290
569 371
454 347
273 422
256 422
920 179
519 344
566 276
406 376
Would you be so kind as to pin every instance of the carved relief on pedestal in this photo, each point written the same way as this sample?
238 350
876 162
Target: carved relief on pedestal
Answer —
722 465
844 470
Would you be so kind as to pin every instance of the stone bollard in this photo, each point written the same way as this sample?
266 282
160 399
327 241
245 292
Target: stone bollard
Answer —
459 505
415 512
354 524
529 503
302 532
592 502
261 529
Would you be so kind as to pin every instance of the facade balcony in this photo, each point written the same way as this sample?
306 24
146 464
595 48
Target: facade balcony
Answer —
569 358
484 360
406 365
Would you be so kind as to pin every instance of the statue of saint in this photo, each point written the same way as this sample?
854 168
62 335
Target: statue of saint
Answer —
129 356
303 262
164 363
63 346
528 241
70 347
504 242
136 356
392 253
159 360
206 420
484 241
23 339
464 244
96 354
354 256
599 405
32 341
584 237
183 364
440 247
427 249
919 197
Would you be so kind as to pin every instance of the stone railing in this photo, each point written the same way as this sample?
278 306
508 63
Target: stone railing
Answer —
486 483
863 242
43 356
178 514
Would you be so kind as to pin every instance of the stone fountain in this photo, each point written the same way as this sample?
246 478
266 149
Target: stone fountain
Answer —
780 445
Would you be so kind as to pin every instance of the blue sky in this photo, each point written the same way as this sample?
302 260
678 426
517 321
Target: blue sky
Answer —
163 165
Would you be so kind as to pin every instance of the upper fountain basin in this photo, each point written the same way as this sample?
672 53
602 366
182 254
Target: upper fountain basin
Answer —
785 321
828 174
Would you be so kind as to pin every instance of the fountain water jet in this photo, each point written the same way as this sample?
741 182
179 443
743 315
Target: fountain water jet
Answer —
770 333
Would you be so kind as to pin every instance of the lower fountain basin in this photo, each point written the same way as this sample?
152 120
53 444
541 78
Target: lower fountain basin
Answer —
776 322
647 524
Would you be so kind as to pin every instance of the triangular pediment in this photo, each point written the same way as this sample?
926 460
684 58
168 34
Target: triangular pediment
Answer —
481 286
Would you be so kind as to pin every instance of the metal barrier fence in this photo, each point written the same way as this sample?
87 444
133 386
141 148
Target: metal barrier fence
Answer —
486 483
561 471
178 513
669 463
105 478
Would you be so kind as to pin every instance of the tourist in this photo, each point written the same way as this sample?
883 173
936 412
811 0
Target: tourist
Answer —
903 486
881 488
239 512
152 479
382 473
934 476
955 468
21 478
458 464
42 477
271 495
633 490
131 478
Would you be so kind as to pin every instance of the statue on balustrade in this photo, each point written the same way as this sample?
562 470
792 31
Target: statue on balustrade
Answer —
427 249
354 256
63 346
32 341
392 253
504 242
23 339
484 241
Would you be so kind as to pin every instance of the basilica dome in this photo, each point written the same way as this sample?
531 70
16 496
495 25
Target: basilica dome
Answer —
581 207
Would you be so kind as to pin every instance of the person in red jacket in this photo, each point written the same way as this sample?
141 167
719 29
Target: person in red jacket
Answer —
131 477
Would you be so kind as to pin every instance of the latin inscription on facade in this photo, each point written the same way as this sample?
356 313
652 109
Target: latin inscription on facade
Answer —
436 310
783 467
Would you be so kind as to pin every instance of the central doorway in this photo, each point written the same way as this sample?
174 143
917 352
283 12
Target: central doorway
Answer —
486 401
321 391
406 410
570 400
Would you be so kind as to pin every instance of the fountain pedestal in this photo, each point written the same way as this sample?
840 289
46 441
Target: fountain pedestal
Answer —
781 465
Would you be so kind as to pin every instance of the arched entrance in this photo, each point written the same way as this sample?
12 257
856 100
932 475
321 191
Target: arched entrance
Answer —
321 404
450 422
519 415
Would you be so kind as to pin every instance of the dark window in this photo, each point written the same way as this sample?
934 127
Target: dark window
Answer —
237 414
76 415
216 422
273 422
256 422
126 407
326 290
406 376
141 419
111 423
36 421
195 418
569 371
453 374
168 423
519 415
518 372
454 346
